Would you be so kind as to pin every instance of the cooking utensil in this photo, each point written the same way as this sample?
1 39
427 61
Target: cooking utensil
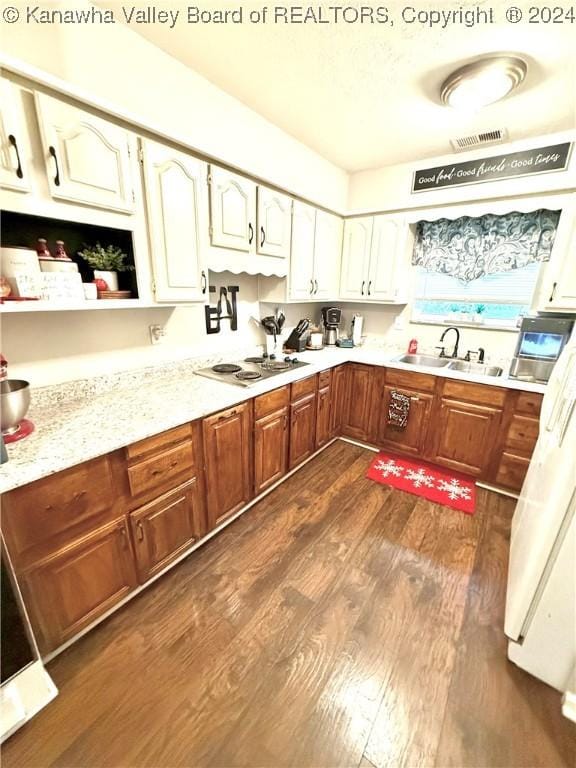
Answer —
15 401
280 320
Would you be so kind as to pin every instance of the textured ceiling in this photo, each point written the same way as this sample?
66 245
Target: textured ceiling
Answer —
365 96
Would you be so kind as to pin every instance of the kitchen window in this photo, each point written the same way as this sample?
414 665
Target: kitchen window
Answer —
480 270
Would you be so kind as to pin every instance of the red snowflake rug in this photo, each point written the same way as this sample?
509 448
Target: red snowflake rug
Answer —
443 486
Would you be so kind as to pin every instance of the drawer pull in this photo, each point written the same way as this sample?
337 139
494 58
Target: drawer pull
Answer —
122 530
227 415
140 531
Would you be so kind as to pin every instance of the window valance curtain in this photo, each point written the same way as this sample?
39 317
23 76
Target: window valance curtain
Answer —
468 248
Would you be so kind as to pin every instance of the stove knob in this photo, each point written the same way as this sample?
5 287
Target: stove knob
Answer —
287 359
264 355
272 357
294 360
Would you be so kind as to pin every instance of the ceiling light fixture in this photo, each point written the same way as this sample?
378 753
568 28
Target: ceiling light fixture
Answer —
483 82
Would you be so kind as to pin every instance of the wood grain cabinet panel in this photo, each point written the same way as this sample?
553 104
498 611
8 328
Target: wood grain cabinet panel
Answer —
159 443
339 398
522 433
46 515
164 529
228 461
411 439
74 587
271 402
323 408
358 412
270 449
302 430
303 387
511 471
465 436
164 469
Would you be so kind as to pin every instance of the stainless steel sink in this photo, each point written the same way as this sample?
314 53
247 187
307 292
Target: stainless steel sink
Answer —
429 361
478 369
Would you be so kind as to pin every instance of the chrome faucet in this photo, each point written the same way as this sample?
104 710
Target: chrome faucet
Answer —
455 350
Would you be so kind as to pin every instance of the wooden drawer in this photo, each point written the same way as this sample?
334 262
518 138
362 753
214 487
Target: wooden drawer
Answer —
163 470
522 433
421 382
44 516
158 443
271 401
324 378
481 394
512 471
529 403
303 387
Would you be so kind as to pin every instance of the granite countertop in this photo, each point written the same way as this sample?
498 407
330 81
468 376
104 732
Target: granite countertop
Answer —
78 423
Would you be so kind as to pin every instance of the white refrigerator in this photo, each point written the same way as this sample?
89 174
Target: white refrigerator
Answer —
540 619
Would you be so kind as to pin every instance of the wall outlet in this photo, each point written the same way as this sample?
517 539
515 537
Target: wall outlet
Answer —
157 334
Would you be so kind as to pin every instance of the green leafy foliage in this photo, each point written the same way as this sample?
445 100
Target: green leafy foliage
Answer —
110 259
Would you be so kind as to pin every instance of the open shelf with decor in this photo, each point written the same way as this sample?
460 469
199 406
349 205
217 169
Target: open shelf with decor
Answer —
42 267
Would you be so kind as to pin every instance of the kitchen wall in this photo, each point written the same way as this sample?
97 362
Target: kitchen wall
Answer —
386 189
53 347
115 64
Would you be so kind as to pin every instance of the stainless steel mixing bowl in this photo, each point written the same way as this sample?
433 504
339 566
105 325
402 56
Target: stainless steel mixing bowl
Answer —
14 404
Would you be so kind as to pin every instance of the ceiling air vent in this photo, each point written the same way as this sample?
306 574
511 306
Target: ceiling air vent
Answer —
495 136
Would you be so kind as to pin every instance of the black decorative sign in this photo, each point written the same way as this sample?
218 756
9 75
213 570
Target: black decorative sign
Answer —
527 163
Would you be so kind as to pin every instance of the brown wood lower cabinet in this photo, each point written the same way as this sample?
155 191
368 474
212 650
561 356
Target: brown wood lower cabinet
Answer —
465 436
75 586
165 528
228 461
359 407
302 429
411 439
270 449
323 413
338 399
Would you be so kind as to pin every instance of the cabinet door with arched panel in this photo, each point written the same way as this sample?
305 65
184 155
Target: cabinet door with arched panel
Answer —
232 210
176 197
87 158
274 216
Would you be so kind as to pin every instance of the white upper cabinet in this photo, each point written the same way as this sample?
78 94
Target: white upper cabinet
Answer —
327 255
87 158
372 259
273 219
14 166
302 252
232 210
385 259
561 290
356 258
176 197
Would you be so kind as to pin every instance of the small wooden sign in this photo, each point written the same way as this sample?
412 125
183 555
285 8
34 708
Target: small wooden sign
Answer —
528 163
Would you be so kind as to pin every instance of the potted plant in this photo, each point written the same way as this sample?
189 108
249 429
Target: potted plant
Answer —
480 309
106 263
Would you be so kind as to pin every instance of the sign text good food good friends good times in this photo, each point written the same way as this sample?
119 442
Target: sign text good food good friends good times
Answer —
527 163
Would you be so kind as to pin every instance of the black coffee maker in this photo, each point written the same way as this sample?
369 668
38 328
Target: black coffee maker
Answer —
331 317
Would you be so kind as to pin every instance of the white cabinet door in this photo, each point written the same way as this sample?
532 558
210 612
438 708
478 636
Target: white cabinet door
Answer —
356 258
232 210
302 251
327 255
176 196
87 158
274 220
384 259
14 168
563 293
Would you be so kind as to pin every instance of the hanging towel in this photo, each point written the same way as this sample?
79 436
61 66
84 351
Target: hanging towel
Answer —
398 410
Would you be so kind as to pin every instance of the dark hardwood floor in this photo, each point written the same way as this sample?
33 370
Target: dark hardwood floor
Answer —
337 623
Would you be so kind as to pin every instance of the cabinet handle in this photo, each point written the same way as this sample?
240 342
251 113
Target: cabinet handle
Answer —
415 399
285 423
78 496
12 140
139 531
262 237
122 530
227 415
204 281
369 286
316 284
250 233
362 289
311 287
52 151
553 292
